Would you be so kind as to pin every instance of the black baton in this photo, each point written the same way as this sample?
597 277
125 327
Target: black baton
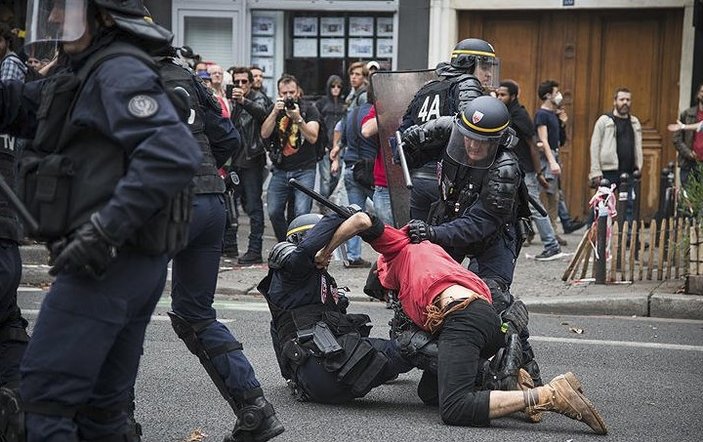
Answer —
339 210
536 204
15 202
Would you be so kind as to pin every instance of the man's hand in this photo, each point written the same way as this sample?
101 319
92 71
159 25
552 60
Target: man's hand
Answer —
238 95
419 231
322 259
414 136
88 252
542 181
294 114
554 168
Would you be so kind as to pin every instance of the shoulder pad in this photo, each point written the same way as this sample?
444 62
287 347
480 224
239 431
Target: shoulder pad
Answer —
502 183
209 98
279 255
468 89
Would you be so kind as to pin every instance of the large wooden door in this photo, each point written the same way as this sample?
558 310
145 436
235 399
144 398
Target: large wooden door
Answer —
590 53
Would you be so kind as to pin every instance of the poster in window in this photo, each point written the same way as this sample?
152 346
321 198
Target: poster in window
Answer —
332 47
332 26
265 63
261 46
384 27
361 47
360 26
305 26
262 25
270 87
304 47
384 47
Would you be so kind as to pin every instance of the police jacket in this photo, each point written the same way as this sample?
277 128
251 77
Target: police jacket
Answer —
247 117
299 294
216 136
9 224
487 203
110 143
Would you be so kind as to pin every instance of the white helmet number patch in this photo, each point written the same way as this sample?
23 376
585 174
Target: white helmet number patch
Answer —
142 106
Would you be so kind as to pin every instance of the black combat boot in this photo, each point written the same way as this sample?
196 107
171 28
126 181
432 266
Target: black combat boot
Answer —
256 421
502 372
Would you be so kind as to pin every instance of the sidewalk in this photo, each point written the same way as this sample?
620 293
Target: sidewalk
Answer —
538 284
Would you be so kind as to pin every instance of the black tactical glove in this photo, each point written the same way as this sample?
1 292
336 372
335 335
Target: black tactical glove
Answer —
420 231
88 251
413 139
515 318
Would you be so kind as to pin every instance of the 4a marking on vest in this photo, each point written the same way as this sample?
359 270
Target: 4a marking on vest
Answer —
142 106
429 111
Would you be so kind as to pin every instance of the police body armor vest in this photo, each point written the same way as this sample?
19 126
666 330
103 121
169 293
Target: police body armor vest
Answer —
206 179
9 225
437 99
53 171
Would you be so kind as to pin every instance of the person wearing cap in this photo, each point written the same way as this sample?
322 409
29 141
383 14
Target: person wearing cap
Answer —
372 66
483 211
111 161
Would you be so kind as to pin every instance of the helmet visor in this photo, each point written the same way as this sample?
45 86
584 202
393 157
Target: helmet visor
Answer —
488 71
55 20
472 150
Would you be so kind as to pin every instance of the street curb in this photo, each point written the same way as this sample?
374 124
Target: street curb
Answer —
613 305
679 306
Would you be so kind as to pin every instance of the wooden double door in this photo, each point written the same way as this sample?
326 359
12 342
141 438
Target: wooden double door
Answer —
590 53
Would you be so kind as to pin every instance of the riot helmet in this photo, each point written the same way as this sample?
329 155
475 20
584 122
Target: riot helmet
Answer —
477 57
300 225
66 21
478 131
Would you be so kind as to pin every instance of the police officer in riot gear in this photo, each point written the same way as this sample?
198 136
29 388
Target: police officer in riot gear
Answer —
105 178
472 70
483 200
324 353
196 266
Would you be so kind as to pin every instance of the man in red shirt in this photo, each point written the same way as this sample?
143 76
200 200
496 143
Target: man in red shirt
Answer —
442 297
689 143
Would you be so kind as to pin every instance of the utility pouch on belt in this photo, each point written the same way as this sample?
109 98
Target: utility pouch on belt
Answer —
166 231
44 185
322 337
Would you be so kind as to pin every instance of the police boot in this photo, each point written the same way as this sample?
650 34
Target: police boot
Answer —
564 395
11 417
502 372
256 421
533 369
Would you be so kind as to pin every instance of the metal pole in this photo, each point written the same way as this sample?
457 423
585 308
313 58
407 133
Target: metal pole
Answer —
636 185
601 236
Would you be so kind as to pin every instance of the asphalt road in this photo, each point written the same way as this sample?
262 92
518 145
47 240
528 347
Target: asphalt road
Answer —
644 375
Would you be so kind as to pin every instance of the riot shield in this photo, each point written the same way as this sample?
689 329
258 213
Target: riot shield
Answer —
393 92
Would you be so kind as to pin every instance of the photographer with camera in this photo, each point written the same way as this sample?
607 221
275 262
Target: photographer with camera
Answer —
291 131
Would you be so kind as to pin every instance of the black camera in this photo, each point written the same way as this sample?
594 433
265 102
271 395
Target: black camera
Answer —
289 103
228 91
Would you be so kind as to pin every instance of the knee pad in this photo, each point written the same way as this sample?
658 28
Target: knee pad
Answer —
501 372
420 349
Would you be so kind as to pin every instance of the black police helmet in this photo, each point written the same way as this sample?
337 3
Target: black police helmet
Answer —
468 51
300 225
484 118
132 17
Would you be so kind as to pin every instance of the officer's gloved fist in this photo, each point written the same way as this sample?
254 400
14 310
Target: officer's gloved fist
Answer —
88 251
413 138
420 231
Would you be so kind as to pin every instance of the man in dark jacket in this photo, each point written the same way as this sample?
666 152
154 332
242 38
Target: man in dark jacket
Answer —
332 109
249 110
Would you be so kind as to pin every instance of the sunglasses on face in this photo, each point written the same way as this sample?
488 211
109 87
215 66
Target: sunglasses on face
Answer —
336 86
240 81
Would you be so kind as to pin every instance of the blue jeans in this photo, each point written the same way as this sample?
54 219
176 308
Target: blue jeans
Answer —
195 270
357 194
328 182
277 197
544 226
382 205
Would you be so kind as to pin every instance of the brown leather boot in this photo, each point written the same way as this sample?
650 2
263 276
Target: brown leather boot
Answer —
525 383
563 395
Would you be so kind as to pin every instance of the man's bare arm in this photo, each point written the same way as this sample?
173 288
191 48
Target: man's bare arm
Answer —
352 226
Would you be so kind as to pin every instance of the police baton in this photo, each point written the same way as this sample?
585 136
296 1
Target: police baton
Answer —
15 202
339 210
403 161
536 204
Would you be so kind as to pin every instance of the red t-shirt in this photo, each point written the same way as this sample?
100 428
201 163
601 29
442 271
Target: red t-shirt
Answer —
379 168
420 272
698 138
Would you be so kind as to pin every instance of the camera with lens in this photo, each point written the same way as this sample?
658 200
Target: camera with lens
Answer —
289 103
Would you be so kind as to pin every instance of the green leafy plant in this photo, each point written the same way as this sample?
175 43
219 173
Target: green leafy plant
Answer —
694 191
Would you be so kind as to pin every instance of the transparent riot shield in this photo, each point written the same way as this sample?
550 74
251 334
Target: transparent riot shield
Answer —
393 92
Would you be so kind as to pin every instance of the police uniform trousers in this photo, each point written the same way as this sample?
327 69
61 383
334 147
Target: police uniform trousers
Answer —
12 325
323 387
497 262
194 276
425 191
85 348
